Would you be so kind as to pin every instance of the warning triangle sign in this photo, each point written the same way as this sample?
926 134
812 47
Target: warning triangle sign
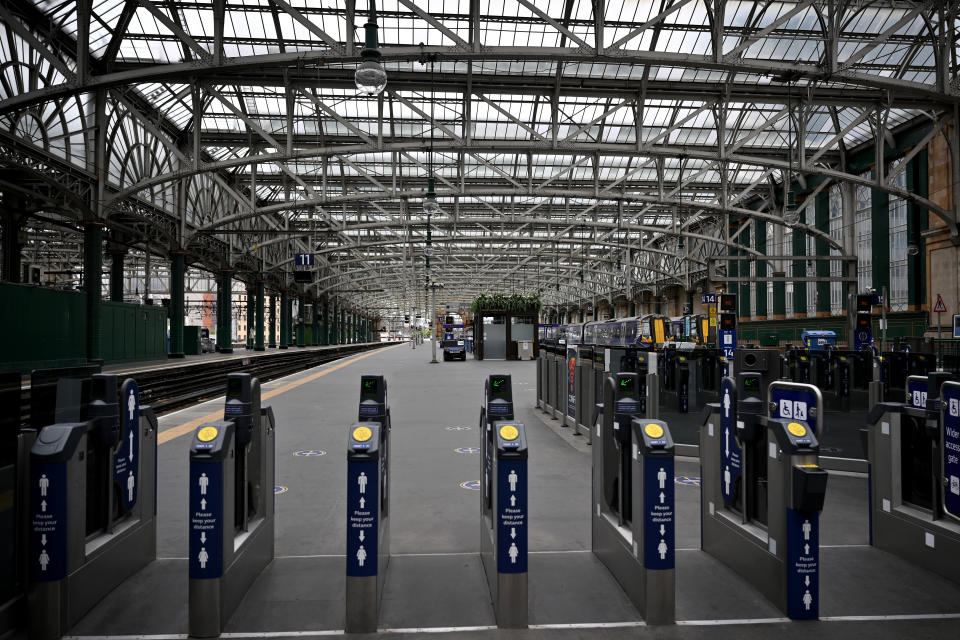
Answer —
939 307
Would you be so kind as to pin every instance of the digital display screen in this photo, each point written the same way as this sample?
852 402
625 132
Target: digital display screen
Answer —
863 323
499 408
751 386
625 384
728 321
498 386
864 304
728 302
234 387
368 388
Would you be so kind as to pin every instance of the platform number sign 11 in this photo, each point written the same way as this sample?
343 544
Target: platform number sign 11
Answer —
304 260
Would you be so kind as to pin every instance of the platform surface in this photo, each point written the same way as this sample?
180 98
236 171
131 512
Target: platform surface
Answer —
435 581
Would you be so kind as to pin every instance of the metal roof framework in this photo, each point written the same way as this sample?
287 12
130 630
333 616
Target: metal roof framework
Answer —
573 142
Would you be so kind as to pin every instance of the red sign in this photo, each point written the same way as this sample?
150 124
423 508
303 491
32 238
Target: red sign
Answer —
939 307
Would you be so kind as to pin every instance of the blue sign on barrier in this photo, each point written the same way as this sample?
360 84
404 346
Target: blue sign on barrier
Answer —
731 461
951 447
803 556
126 462
728 342
795 404
512 516
48 521
917 393
206 519
362 515
658 513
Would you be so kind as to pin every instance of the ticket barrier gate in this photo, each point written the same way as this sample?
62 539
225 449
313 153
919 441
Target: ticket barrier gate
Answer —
709 371
633 514
231 505
552 384
567 394
560 382
762 494
682 394
368 506
898 365
503 510
92 505
541 377
585 385
642 363
914 475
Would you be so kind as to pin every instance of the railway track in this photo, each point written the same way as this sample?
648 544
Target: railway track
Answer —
170 388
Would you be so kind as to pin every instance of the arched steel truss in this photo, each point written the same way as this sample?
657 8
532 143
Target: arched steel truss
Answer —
566 137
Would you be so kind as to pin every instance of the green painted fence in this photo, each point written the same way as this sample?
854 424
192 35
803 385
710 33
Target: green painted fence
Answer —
48 328
771 333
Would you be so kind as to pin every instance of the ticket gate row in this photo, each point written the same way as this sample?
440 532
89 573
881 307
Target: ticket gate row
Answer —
897 366
914 474
577 387
842 376
90 514
762 488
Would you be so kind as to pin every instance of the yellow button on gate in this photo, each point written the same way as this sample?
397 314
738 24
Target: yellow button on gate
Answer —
653 430
797 429
362 434
509 432
207 434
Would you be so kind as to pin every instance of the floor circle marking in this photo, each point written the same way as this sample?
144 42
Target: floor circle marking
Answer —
458 428
691 481
472 485
307 453
278 489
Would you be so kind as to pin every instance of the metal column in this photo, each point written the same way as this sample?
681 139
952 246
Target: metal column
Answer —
273 322
258 341
176 303
225 305
284 310
92 283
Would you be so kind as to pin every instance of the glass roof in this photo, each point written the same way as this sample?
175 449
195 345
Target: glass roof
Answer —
557 137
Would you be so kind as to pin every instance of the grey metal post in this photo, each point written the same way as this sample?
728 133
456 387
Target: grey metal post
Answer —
653 388
883 320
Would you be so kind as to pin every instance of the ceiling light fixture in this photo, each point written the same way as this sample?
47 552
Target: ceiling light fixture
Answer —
370 77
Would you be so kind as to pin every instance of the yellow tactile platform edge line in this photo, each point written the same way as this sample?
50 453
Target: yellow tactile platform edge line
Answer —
189 427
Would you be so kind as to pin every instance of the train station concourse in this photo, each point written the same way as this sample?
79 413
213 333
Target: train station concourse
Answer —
523 319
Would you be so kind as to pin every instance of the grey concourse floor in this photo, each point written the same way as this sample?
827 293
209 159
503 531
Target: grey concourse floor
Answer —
435 579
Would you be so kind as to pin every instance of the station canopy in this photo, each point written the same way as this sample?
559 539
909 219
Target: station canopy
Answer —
579 149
